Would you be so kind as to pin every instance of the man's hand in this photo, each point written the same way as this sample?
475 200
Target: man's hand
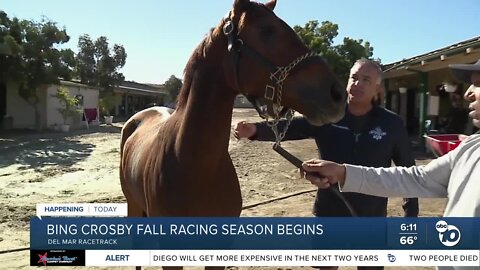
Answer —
245 130
323 173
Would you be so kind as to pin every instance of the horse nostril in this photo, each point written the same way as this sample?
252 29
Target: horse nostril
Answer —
336 93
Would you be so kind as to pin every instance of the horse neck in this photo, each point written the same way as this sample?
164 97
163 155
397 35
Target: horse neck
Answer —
207 114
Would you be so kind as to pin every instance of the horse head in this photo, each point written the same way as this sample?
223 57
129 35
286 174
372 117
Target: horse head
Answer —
267 60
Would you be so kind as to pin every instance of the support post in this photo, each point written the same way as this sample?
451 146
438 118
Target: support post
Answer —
386 94
423 107
423 104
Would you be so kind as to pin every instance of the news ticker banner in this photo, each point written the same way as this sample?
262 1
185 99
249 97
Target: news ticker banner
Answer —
254 233
280 258
281 241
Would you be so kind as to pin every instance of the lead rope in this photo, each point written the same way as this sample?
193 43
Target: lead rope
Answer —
293 159
298 163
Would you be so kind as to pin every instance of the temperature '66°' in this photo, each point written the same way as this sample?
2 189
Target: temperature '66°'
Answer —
408 240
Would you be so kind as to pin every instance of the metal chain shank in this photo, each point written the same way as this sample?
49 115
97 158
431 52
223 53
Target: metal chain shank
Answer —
279 77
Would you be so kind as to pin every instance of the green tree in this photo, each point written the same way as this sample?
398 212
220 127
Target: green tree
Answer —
319 38
173 86
30 56
98 64
10 48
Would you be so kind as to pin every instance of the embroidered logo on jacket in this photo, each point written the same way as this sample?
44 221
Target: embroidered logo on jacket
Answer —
377 133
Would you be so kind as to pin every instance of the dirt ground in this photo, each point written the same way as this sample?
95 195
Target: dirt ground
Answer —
82 166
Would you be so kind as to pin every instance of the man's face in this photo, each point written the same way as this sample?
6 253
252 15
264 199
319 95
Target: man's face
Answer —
472 95
362 84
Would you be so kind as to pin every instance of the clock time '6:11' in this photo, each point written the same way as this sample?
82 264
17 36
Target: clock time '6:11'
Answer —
410 227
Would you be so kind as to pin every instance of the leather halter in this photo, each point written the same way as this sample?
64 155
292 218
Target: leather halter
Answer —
272 97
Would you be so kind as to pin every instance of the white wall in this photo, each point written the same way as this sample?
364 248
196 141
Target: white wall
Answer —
23 113
90 100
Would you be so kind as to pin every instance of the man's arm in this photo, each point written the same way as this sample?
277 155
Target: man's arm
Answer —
298 129
429 181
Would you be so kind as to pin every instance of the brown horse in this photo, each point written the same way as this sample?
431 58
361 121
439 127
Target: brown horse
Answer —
178 164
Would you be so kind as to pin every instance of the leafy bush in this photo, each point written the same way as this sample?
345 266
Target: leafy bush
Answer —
108 102
69 104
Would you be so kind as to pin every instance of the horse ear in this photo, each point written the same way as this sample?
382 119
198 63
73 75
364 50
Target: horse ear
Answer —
240 5
271 4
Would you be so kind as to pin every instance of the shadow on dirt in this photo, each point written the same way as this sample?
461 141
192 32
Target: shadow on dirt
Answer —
32 150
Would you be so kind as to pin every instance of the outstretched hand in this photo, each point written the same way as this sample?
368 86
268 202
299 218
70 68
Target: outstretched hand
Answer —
323 173
244 129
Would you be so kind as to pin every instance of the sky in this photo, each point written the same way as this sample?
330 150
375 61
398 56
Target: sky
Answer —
159 36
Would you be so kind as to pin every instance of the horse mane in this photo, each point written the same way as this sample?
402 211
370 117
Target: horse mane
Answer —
197 58
195 62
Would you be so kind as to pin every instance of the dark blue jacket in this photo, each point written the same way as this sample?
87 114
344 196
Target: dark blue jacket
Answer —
375 139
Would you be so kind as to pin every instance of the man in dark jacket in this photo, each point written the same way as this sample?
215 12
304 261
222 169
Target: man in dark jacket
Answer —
368 135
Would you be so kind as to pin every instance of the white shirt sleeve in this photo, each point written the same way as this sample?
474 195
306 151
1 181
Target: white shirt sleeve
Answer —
429 181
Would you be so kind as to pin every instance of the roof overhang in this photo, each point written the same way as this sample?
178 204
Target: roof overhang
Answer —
463 52
138 91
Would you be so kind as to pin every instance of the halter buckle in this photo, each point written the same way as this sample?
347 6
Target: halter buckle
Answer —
269 92
228 27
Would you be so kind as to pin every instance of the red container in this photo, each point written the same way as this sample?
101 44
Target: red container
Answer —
440 144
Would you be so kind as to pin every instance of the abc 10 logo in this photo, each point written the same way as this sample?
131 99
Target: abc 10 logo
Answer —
449 235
